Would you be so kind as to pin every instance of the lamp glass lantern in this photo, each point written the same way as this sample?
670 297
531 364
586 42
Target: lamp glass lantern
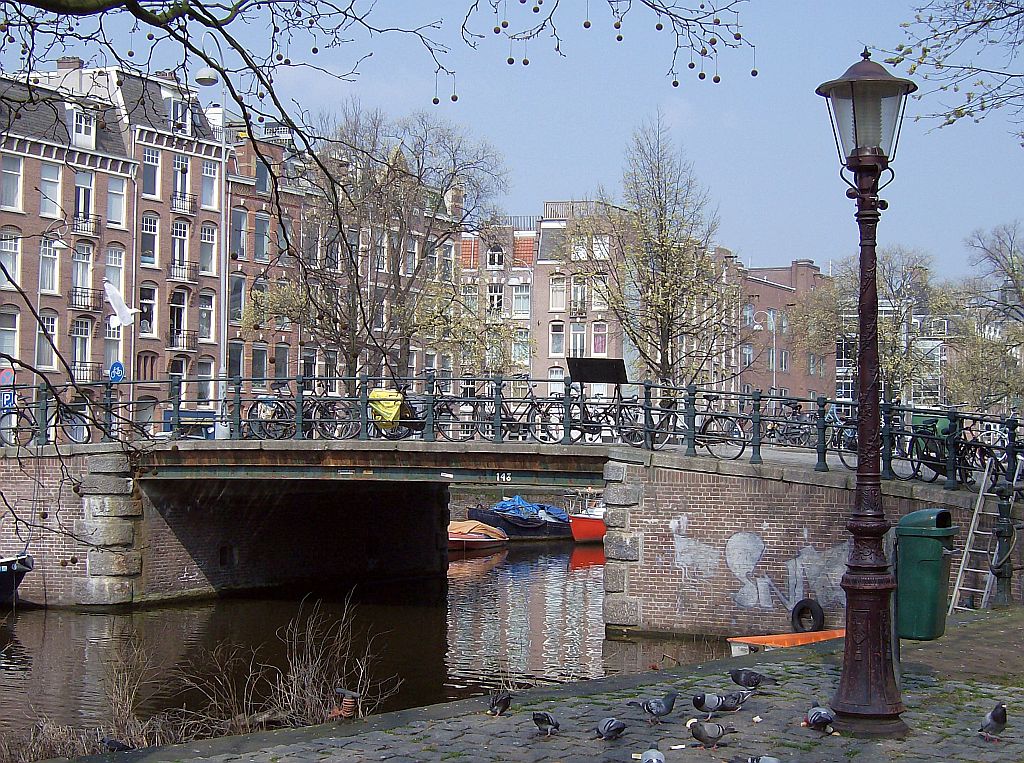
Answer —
866 105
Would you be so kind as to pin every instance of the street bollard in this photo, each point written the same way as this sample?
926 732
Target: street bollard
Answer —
822 445
755 429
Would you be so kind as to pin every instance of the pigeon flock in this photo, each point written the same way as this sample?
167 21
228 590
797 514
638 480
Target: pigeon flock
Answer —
707 733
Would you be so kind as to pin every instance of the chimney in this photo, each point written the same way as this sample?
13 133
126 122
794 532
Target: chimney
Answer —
68 63
168 74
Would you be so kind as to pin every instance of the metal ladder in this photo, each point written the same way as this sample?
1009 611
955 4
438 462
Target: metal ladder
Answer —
979 550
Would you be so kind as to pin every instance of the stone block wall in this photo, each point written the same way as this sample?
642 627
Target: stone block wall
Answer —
699 546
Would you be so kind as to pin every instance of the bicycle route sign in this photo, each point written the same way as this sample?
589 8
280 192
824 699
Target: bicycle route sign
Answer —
116 372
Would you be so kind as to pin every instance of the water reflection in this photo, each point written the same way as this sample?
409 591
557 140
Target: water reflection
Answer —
531 612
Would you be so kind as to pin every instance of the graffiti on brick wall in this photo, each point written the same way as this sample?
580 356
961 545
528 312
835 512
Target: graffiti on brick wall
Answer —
810 572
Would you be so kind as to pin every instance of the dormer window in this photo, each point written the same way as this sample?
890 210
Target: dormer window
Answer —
84 132
181 117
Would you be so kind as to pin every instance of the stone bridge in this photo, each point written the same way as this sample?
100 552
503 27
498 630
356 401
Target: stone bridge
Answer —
694 545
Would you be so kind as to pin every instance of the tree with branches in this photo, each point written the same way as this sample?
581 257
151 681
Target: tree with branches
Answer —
651 257
971 51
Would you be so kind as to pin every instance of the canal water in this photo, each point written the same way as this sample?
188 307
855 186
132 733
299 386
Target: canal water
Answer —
529 614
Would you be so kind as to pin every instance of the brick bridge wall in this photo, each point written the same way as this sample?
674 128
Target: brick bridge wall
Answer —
701 546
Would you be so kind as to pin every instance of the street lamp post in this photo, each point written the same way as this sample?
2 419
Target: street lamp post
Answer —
866 106
769 318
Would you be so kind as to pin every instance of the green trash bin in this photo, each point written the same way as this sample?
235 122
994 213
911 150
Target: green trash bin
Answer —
924 548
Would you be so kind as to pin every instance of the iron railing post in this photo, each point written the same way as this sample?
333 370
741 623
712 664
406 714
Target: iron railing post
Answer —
755 429
690 416
648 418
236 413
887 441
300 398
1011 448
175 392
497 398
567 411
364 408
822 443
108 411
428 415
952 452
42 434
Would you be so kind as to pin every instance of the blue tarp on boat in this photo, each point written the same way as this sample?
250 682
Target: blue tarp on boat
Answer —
520 507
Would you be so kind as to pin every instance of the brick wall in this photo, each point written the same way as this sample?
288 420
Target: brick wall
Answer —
705 547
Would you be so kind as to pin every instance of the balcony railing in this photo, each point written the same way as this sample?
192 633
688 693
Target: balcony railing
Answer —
183 271
181 339
88 225
184 203
80 298
83 371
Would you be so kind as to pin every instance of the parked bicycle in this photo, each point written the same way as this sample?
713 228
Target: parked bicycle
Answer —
719 432
841 436
792 428
66 422
396 414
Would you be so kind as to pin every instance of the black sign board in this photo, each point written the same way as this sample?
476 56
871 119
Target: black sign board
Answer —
598 370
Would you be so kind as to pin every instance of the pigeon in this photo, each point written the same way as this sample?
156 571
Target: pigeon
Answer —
656 708
713 703
750 679
123 315
500 703
652 755
545 722
115 745
819 718
610 728
994 723
708 733
757 759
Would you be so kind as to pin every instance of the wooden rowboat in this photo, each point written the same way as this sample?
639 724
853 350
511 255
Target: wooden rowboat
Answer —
747 644
474 536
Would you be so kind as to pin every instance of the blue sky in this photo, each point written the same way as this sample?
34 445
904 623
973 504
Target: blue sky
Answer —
762 145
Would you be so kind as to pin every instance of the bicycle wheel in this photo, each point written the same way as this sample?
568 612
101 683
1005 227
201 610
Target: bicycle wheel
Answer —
665 429
723 437
16 429
547 422
847 446
454 422
923 459
903 466
629 425
74 425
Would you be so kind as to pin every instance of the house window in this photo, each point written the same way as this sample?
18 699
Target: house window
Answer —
521 301
81 333
556 340
521 347
235 360
111 345
147 310
114 268
578 340
578 289
10 187
84 133
210 189
48 265
207 249
81 266
747 355
495 256
784 360
308 362
599 294
148 241
177 318
8 335
495 298
204 382
10 257
181 116
49 190
601 247
747 315
83 195
259 366
410 255
145 370
116 201
236 303
281 361
448 263
261 245
262 175
206 322
846 353
600 339
470 299
770 359
150 171
812 363
47 329
844 389
238 229
381 254
556 293
179 242
430 255
179 176
556 380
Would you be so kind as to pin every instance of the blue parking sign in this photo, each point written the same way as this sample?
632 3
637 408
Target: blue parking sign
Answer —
116 372
6 400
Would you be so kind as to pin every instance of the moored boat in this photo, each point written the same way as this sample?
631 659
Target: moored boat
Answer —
746 644
473 536
586 515
521 520
12 570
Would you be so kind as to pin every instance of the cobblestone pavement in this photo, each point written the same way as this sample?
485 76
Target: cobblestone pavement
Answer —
948 686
